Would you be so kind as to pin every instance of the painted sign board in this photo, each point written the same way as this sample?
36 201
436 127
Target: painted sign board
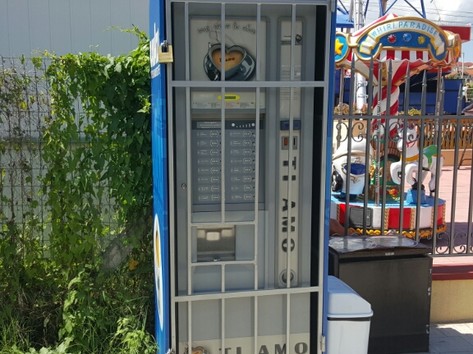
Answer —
160 177
402 34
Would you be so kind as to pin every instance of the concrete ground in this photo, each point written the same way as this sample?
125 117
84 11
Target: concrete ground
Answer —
451 338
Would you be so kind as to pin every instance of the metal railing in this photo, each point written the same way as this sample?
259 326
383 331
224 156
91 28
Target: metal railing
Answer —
410 169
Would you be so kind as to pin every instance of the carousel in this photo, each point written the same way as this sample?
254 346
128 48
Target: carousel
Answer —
378 174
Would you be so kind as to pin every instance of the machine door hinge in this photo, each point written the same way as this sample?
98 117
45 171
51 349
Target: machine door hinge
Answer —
322 343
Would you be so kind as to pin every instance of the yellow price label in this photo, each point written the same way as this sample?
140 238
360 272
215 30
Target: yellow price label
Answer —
229 97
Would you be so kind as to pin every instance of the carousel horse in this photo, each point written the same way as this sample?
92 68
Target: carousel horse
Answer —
411 168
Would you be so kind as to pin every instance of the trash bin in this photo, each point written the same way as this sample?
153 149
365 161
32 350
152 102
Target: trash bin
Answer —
349 317
393 274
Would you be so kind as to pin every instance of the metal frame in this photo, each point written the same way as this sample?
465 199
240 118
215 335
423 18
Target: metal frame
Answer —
188 85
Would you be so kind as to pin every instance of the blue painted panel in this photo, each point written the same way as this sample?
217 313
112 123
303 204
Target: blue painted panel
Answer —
160 178
330 105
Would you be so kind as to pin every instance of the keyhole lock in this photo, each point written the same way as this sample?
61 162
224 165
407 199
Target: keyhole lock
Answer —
165 53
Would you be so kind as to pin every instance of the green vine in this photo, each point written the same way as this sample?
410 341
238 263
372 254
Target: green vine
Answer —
97 147
87 288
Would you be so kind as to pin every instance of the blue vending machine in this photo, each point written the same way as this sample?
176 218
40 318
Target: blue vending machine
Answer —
241 124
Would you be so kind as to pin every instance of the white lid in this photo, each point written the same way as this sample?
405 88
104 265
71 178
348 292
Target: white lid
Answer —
344 302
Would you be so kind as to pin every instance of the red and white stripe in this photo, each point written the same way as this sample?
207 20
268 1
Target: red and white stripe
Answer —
409 55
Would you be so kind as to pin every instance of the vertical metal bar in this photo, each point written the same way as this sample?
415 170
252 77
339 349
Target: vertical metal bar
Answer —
386 143
440 90
322 245
171 182
293 40
340 105
423 102
222 325
438 94
370 88
290 173
222 155
407 89
421 144
222 278
189 190
258 41
223 158
341 87
420 173
349 144
459 127
255 324
419 181
189 326
439 125
459 100
351 100
222 42
288 320
188 152
368 145
378 137
470 206
291 150
222 116
405 122
257 152
186 41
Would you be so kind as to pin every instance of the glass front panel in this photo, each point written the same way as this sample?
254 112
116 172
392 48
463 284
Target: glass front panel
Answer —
243 119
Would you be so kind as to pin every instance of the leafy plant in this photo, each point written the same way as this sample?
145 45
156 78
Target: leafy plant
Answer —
111 147
61 295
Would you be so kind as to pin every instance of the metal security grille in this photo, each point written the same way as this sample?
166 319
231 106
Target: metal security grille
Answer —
242 88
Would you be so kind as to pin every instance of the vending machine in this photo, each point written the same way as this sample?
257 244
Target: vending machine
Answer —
241 121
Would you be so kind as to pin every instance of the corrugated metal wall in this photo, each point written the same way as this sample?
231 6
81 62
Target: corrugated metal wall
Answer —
69 26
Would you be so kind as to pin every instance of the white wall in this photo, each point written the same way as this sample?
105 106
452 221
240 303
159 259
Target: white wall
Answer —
69 26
